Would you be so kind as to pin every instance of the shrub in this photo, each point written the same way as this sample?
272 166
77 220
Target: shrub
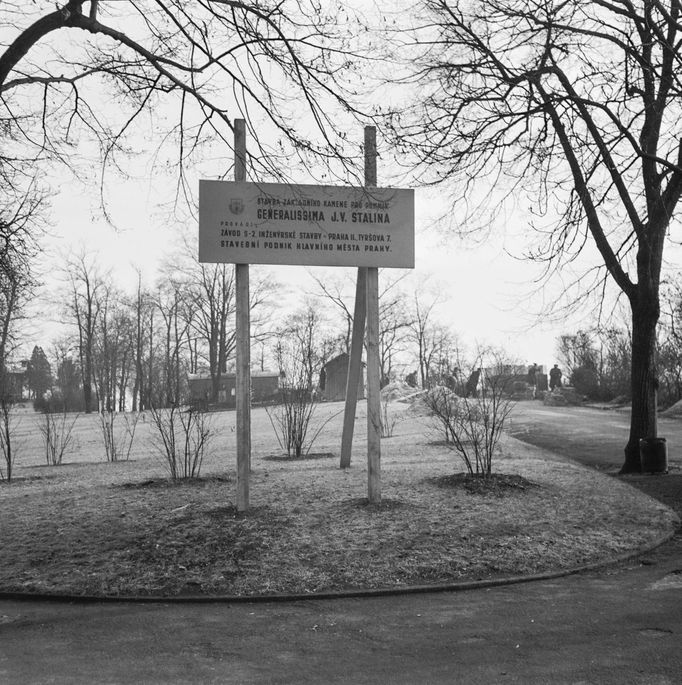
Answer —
57 434
183 436
472 425
290 420
56 403
118 443
8 424
388 419
585 380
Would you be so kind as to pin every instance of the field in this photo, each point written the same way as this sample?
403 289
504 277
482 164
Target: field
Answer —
92 527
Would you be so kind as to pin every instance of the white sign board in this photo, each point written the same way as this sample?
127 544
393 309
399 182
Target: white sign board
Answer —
276 223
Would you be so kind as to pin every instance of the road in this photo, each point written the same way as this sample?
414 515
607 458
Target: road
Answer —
597 438
591 436
608 628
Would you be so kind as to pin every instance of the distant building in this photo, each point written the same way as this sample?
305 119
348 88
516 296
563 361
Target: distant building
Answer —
264 387
15 382
334 377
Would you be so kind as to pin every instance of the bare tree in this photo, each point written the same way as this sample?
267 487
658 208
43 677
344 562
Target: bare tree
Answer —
18 215
597 361
300 352
20 226
308 345
473 426
142 312
14 288
210 61
114 344
395 321
211 290
394 316
104 353
432 342
8 443
576 350
615 362
87 287
339 293
209 293
171 304
670 344
574 108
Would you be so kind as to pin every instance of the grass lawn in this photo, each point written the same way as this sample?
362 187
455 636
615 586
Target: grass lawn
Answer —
98 528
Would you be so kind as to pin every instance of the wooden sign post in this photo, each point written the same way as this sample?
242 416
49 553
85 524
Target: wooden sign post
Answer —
243 343
373 357
367 227
366 309
359 318
373 389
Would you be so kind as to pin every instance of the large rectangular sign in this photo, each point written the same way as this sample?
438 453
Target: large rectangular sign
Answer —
277 223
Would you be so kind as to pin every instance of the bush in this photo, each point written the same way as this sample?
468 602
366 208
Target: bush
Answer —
118 443
585 380
183 436
472 426
290 420
8 424
56 430
388 420
58 404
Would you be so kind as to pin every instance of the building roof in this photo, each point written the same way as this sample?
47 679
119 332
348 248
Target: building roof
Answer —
339 359
231 374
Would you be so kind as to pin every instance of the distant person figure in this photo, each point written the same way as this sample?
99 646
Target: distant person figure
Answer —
532 370
471 384
554 377
533 377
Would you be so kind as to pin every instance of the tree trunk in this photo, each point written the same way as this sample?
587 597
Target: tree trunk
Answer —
150 384
644 383
214 364
87 386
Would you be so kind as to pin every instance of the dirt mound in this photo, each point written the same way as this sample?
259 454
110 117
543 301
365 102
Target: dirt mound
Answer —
562 397
673 412
396 391
419 402
416 404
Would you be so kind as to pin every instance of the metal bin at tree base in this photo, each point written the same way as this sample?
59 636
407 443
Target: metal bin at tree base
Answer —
653 455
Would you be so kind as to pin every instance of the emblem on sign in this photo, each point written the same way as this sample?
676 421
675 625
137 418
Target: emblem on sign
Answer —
236 205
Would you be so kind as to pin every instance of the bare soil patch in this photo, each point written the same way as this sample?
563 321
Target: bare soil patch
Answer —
123 529
302 457
497 484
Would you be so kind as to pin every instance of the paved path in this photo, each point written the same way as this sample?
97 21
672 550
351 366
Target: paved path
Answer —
597 438
620 625
592 436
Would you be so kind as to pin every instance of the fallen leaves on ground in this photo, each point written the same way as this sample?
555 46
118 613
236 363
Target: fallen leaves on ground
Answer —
125 529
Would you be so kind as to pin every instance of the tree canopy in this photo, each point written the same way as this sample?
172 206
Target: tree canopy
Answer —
108 82
19 230
573 108
96 68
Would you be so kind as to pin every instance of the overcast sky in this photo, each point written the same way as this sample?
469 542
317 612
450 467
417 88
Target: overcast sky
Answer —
487 295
